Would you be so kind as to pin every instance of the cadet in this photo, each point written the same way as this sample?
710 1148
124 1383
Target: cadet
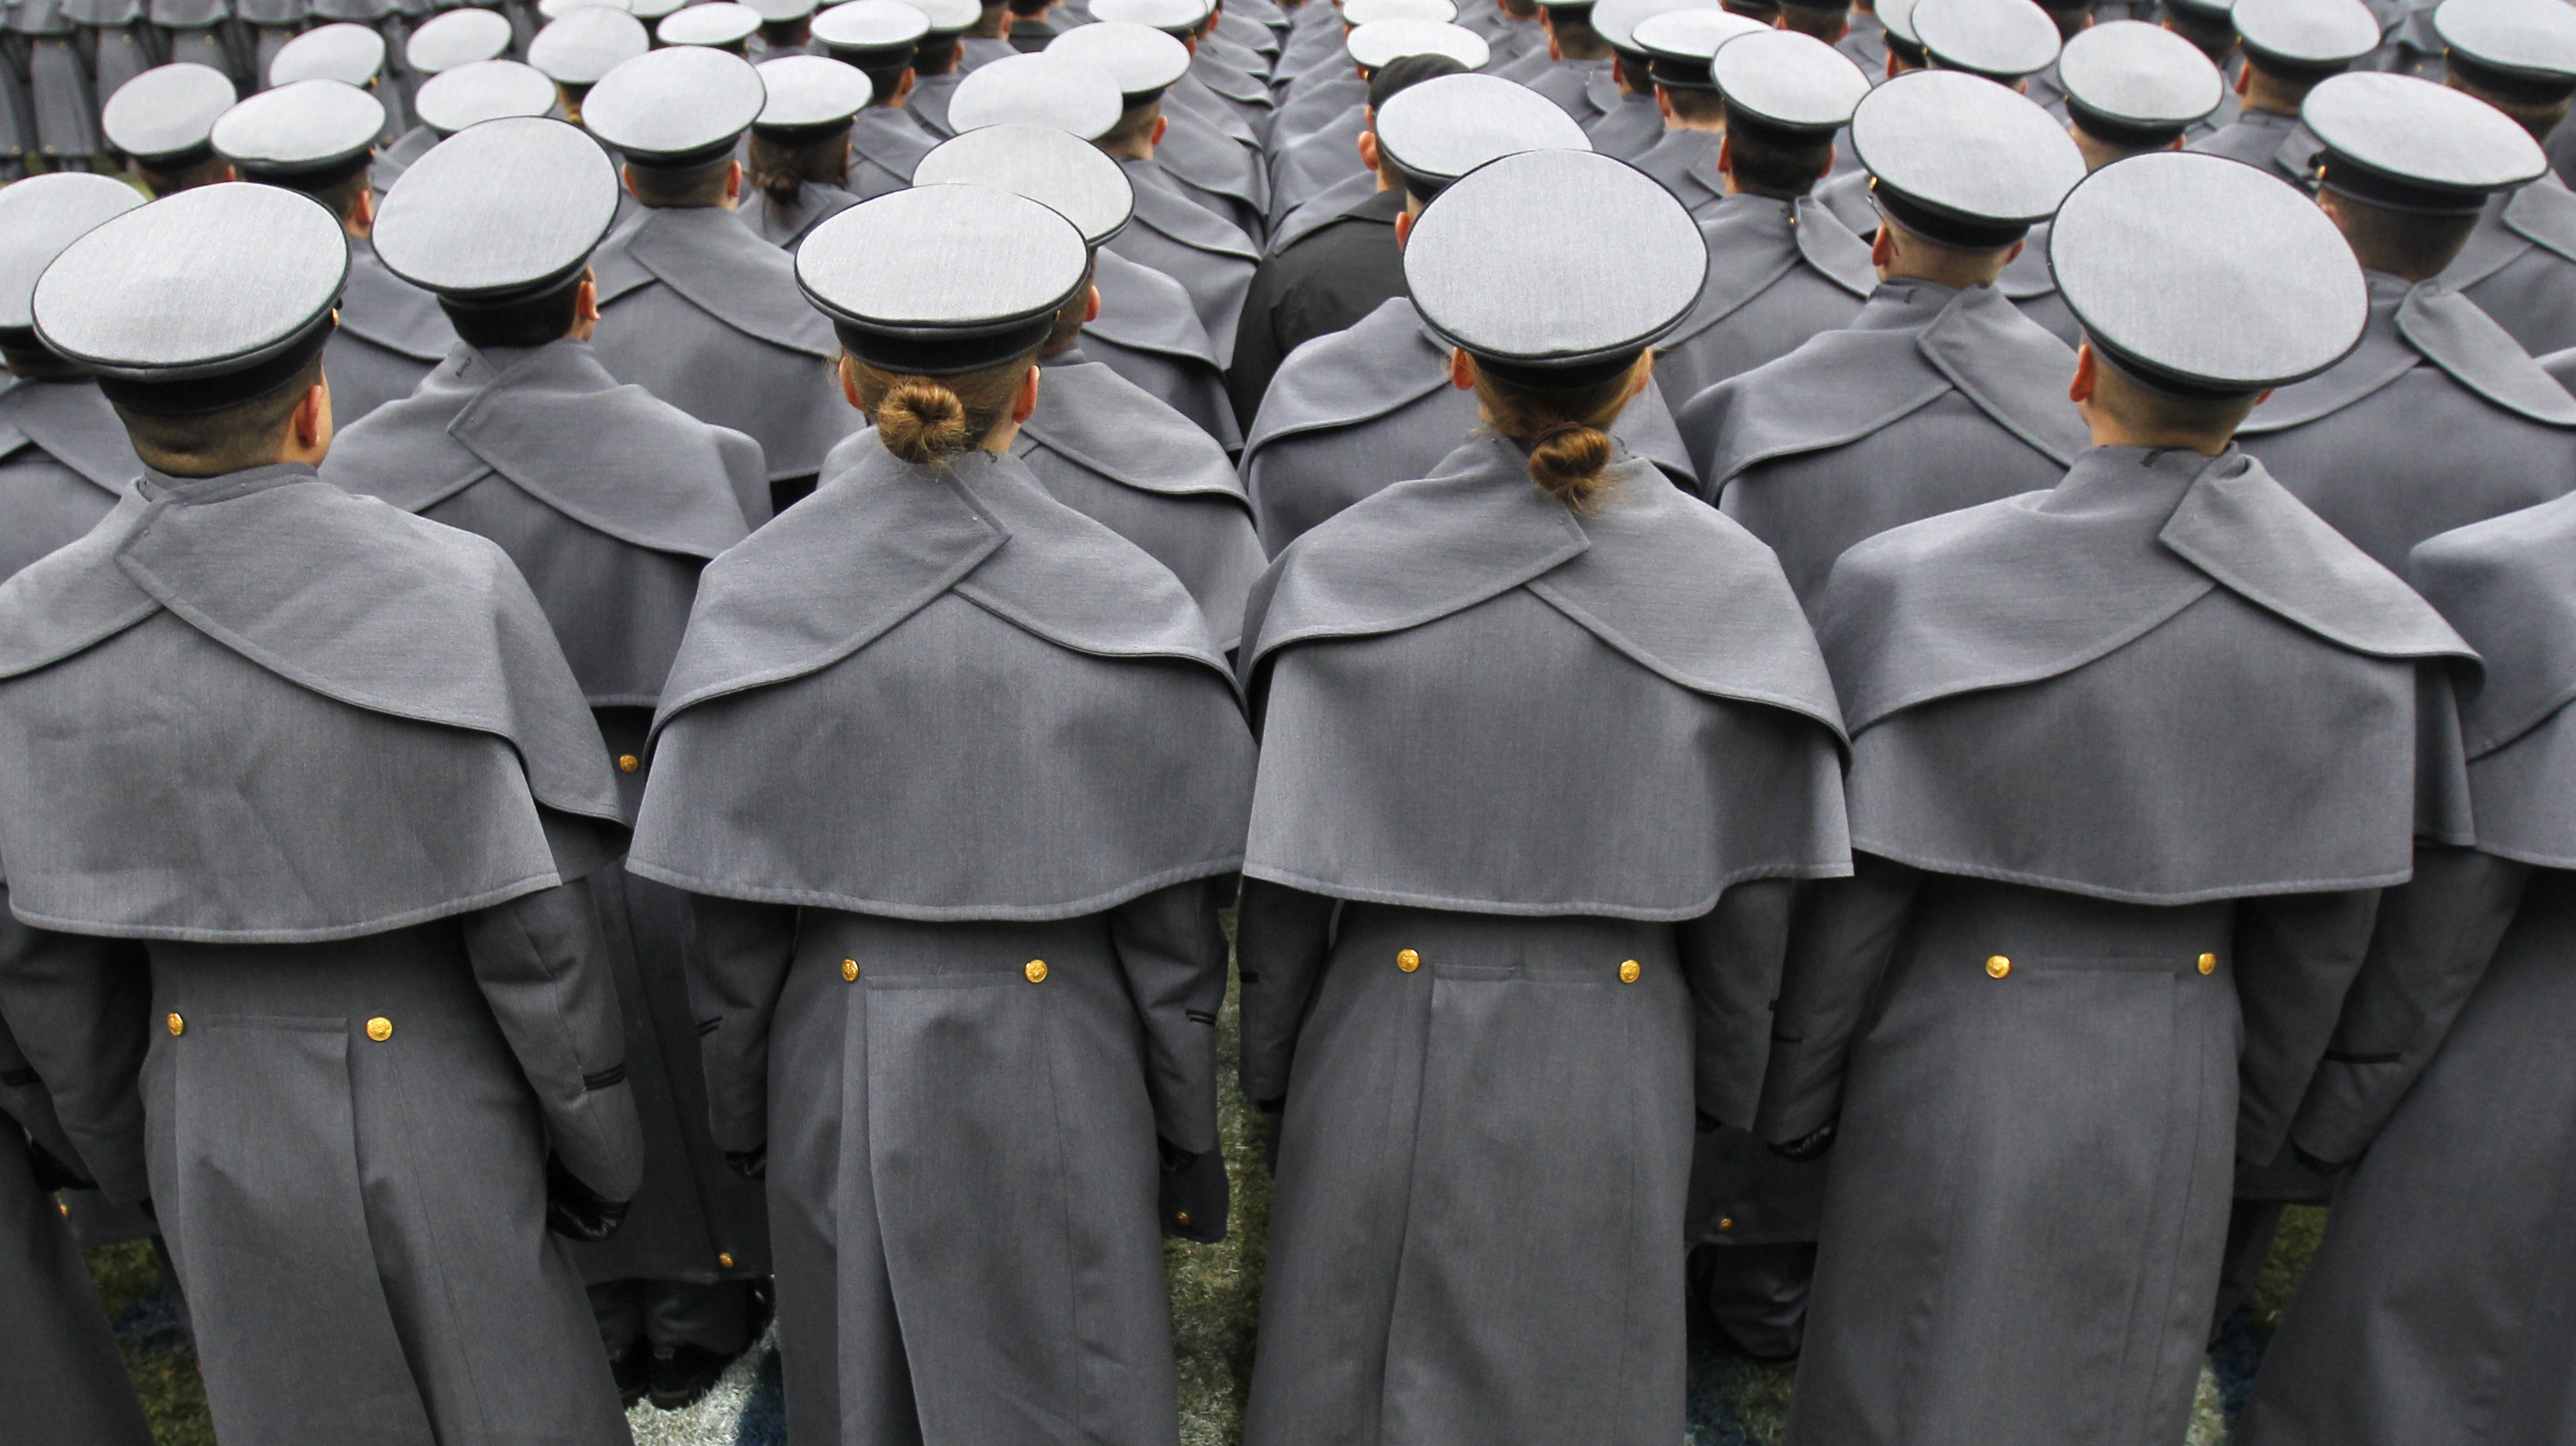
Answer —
1099 443
1329 158
1633 125
1208 255
990 800
1336 200
609 501
1939 395
786 28
1327 270
1544 741
879 37
934 61
1213 145
469 95
586 44
800 145
316 137
2434 1305
1576 73
1781 268
2438 419
716 24
693 307
1511 27
1372 405
350 54
67 457
1321 90
1679 45
2006 41
466 35
2520 264
2128 88
2023 1024
2290 45
989 40
327 762
1846 192
62 103
163 121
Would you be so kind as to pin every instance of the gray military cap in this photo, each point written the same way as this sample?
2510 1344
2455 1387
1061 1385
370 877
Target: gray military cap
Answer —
1555 307
2299 39
1389 41
2517 50
2136 85
163 117
1616 21
483 90
2274 293
1449 125
1782 81
552 10
719 23
810 93
1171 16
942 280
1142 61
2002 40
652 11
1044 89
587 43
675 107
504 212
457 37
307 133
874 34
780 12
198 301
1963 161
351 54
950 17
1679 44
2409 145
1068 176
1370 12
1896 19
39 216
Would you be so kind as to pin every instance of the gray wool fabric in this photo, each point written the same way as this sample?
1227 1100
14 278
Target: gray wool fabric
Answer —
1209 256
1685 161
2267 139
2520 265
1931 400
1467 1046
64 460
2152 937
988 746
2437 420
784 226
390 334
1149 332
2033 287
1356 411
1779 274
609 501
886 143
705 315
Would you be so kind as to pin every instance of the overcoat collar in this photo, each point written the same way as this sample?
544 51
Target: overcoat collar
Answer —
382 308
890 137
71 423
2541 214
1161 208
2509 585
1144 310
714 262
2429 322
1090 415
1403 363
1753 241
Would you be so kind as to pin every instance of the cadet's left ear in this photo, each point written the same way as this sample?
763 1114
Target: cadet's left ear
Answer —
1092 313
1024 403
1462 370
1403 227
2080 389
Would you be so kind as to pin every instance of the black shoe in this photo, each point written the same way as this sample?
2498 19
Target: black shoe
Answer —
682 1375
630 1367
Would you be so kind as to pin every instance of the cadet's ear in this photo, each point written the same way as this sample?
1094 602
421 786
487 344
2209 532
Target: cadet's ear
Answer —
1882 247
1403 227
1162 123
1368 146
733 180
1462 370
849 373
1663 101
2080 390
627 175
1092 312
1024 402
2244 78
1726 156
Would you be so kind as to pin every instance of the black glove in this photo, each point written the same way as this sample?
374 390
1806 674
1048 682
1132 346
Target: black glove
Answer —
1809 1146
575 1211
751 1164
1194 1193
54 1174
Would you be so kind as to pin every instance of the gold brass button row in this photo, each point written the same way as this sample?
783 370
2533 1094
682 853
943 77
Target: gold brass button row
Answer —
1407 960
725 1259
380 1029
628 763
2208 963
850 970
1036 971
1631 971
1998 966
178 1025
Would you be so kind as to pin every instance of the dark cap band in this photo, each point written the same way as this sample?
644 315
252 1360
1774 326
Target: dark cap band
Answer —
1548 378
2127 135
1946 228
942 353
199 396
2346 177
2522 87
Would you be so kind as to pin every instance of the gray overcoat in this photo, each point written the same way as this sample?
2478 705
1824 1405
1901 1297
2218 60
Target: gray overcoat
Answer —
1584 88
1149 332
1323 209
1208 255
1311 103
1325 157
2435 1308
2099 934
1360 409
326 761
2032 286
1533 786
886 144
815 203
705 315
391 333
1932 400
2520 265
1629 128
393 160
609 501
1213 168
961 783
1685 161
928 102
2275 142
2435 421
1779 274
64 459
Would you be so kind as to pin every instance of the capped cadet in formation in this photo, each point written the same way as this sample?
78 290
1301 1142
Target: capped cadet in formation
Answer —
1211 146
800 145
1322 169
68 456
452 40
164 121
2288 47
879 38
2519 265
935 62
1681 48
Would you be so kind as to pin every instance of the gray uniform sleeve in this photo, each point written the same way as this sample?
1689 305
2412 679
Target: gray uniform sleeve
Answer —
2296 957
1173 951
2430 946
1732 958
1283 937
747 468
79 1008
738 970
23 1099
544 971
1844 934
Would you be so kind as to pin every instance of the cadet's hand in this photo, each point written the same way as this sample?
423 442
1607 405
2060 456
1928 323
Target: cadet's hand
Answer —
575 1211
53 1174
1809 1146
751 1164
1194 1193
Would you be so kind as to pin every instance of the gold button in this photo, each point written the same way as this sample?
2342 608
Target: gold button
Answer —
2208 963
1036 971
725 1260
178 1025
1183 1217
850 970
380 1029
628 763
1998 966
1726 1224
1407 960
1630 972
